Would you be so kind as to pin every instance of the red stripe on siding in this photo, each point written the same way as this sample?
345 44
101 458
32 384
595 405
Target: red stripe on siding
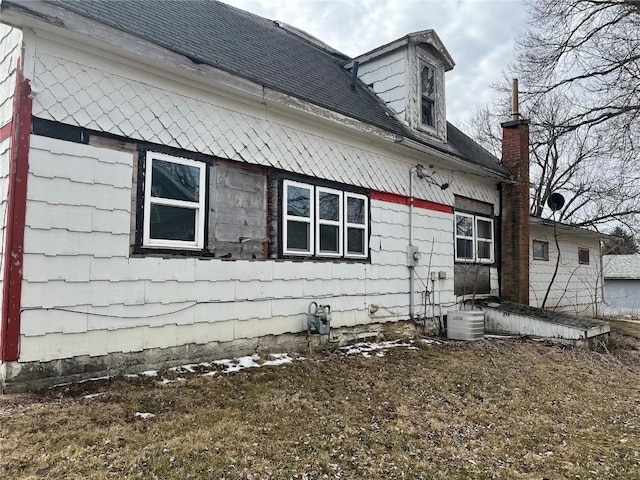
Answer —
5 131
403 200
16 211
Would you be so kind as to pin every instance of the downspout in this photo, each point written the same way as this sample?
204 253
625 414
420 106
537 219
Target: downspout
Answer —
411 267
413 254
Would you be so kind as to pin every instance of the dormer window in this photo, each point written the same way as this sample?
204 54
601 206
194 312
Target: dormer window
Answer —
408 75
428 94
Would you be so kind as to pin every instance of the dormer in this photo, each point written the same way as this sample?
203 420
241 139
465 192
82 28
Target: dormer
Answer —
408 75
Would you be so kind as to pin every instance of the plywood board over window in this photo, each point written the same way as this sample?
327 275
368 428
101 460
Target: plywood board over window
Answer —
237 211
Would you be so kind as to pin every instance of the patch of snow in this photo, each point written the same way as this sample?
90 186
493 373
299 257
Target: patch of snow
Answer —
226 366
95 395
94 379
278 359
144 415
365 348
166 381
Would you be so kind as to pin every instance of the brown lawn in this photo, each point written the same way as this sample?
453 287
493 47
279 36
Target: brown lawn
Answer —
507 409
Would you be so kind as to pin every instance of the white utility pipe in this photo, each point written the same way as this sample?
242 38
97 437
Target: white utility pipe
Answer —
411 272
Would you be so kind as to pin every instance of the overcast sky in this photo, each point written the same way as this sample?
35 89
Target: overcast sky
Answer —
479 34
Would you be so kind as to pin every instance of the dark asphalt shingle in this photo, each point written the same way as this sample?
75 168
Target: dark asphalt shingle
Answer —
258 49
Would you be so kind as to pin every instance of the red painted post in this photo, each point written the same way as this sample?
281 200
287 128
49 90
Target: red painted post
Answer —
16 211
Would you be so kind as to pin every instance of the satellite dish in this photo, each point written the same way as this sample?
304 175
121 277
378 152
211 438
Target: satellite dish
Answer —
555 201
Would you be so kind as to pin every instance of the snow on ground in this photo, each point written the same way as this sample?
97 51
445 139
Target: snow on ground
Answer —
226 366
94 395
144 415
368 349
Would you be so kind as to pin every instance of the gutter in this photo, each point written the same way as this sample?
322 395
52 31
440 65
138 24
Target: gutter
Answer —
463 163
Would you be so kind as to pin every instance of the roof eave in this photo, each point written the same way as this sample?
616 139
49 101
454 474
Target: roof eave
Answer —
545 222
469 165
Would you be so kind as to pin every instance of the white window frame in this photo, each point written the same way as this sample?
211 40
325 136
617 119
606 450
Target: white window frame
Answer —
286 217
474 238
199 206
464 237
485 240
339 223
364 227
315 221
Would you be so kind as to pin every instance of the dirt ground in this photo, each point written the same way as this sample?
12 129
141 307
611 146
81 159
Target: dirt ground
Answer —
496 408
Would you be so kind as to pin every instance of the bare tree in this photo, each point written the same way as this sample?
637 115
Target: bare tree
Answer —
589 50
579 65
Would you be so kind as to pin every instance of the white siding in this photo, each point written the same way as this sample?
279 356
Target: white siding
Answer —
388 77
576 287
10 45
133 103
83 294
5 153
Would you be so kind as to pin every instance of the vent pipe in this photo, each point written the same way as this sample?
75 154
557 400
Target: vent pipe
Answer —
354 74
515 114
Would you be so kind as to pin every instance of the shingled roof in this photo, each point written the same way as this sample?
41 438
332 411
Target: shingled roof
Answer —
260 50
623 267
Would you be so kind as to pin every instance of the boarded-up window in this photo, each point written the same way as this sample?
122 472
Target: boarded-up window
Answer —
237 211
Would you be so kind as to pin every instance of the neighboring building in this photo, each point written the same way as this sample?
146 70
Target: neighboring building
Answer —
577 286
621 284
181 179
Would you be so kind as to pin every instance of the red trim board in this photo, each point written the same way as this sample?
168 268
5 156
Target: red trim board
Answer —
16 211
5 131
403 200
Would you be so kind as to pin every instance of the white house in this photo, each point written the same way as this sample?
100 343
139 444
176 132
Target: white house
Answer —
572 282
181 179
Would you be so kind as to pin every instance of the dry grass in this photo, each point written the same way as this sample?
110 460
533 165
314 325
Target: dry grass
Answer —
508 409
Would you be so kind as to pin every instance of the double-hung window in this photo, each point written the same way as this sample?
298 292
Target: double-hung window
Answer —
474 238
357 224
428 96
323 222
329 222
298 215
174 202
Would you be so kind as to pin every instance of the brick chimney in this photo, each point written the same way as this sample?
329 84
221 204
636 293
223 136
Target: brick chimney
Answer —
515 207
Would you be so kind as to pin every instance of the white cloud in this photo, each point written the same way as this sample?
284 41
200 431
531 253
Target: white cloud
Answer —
479 34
